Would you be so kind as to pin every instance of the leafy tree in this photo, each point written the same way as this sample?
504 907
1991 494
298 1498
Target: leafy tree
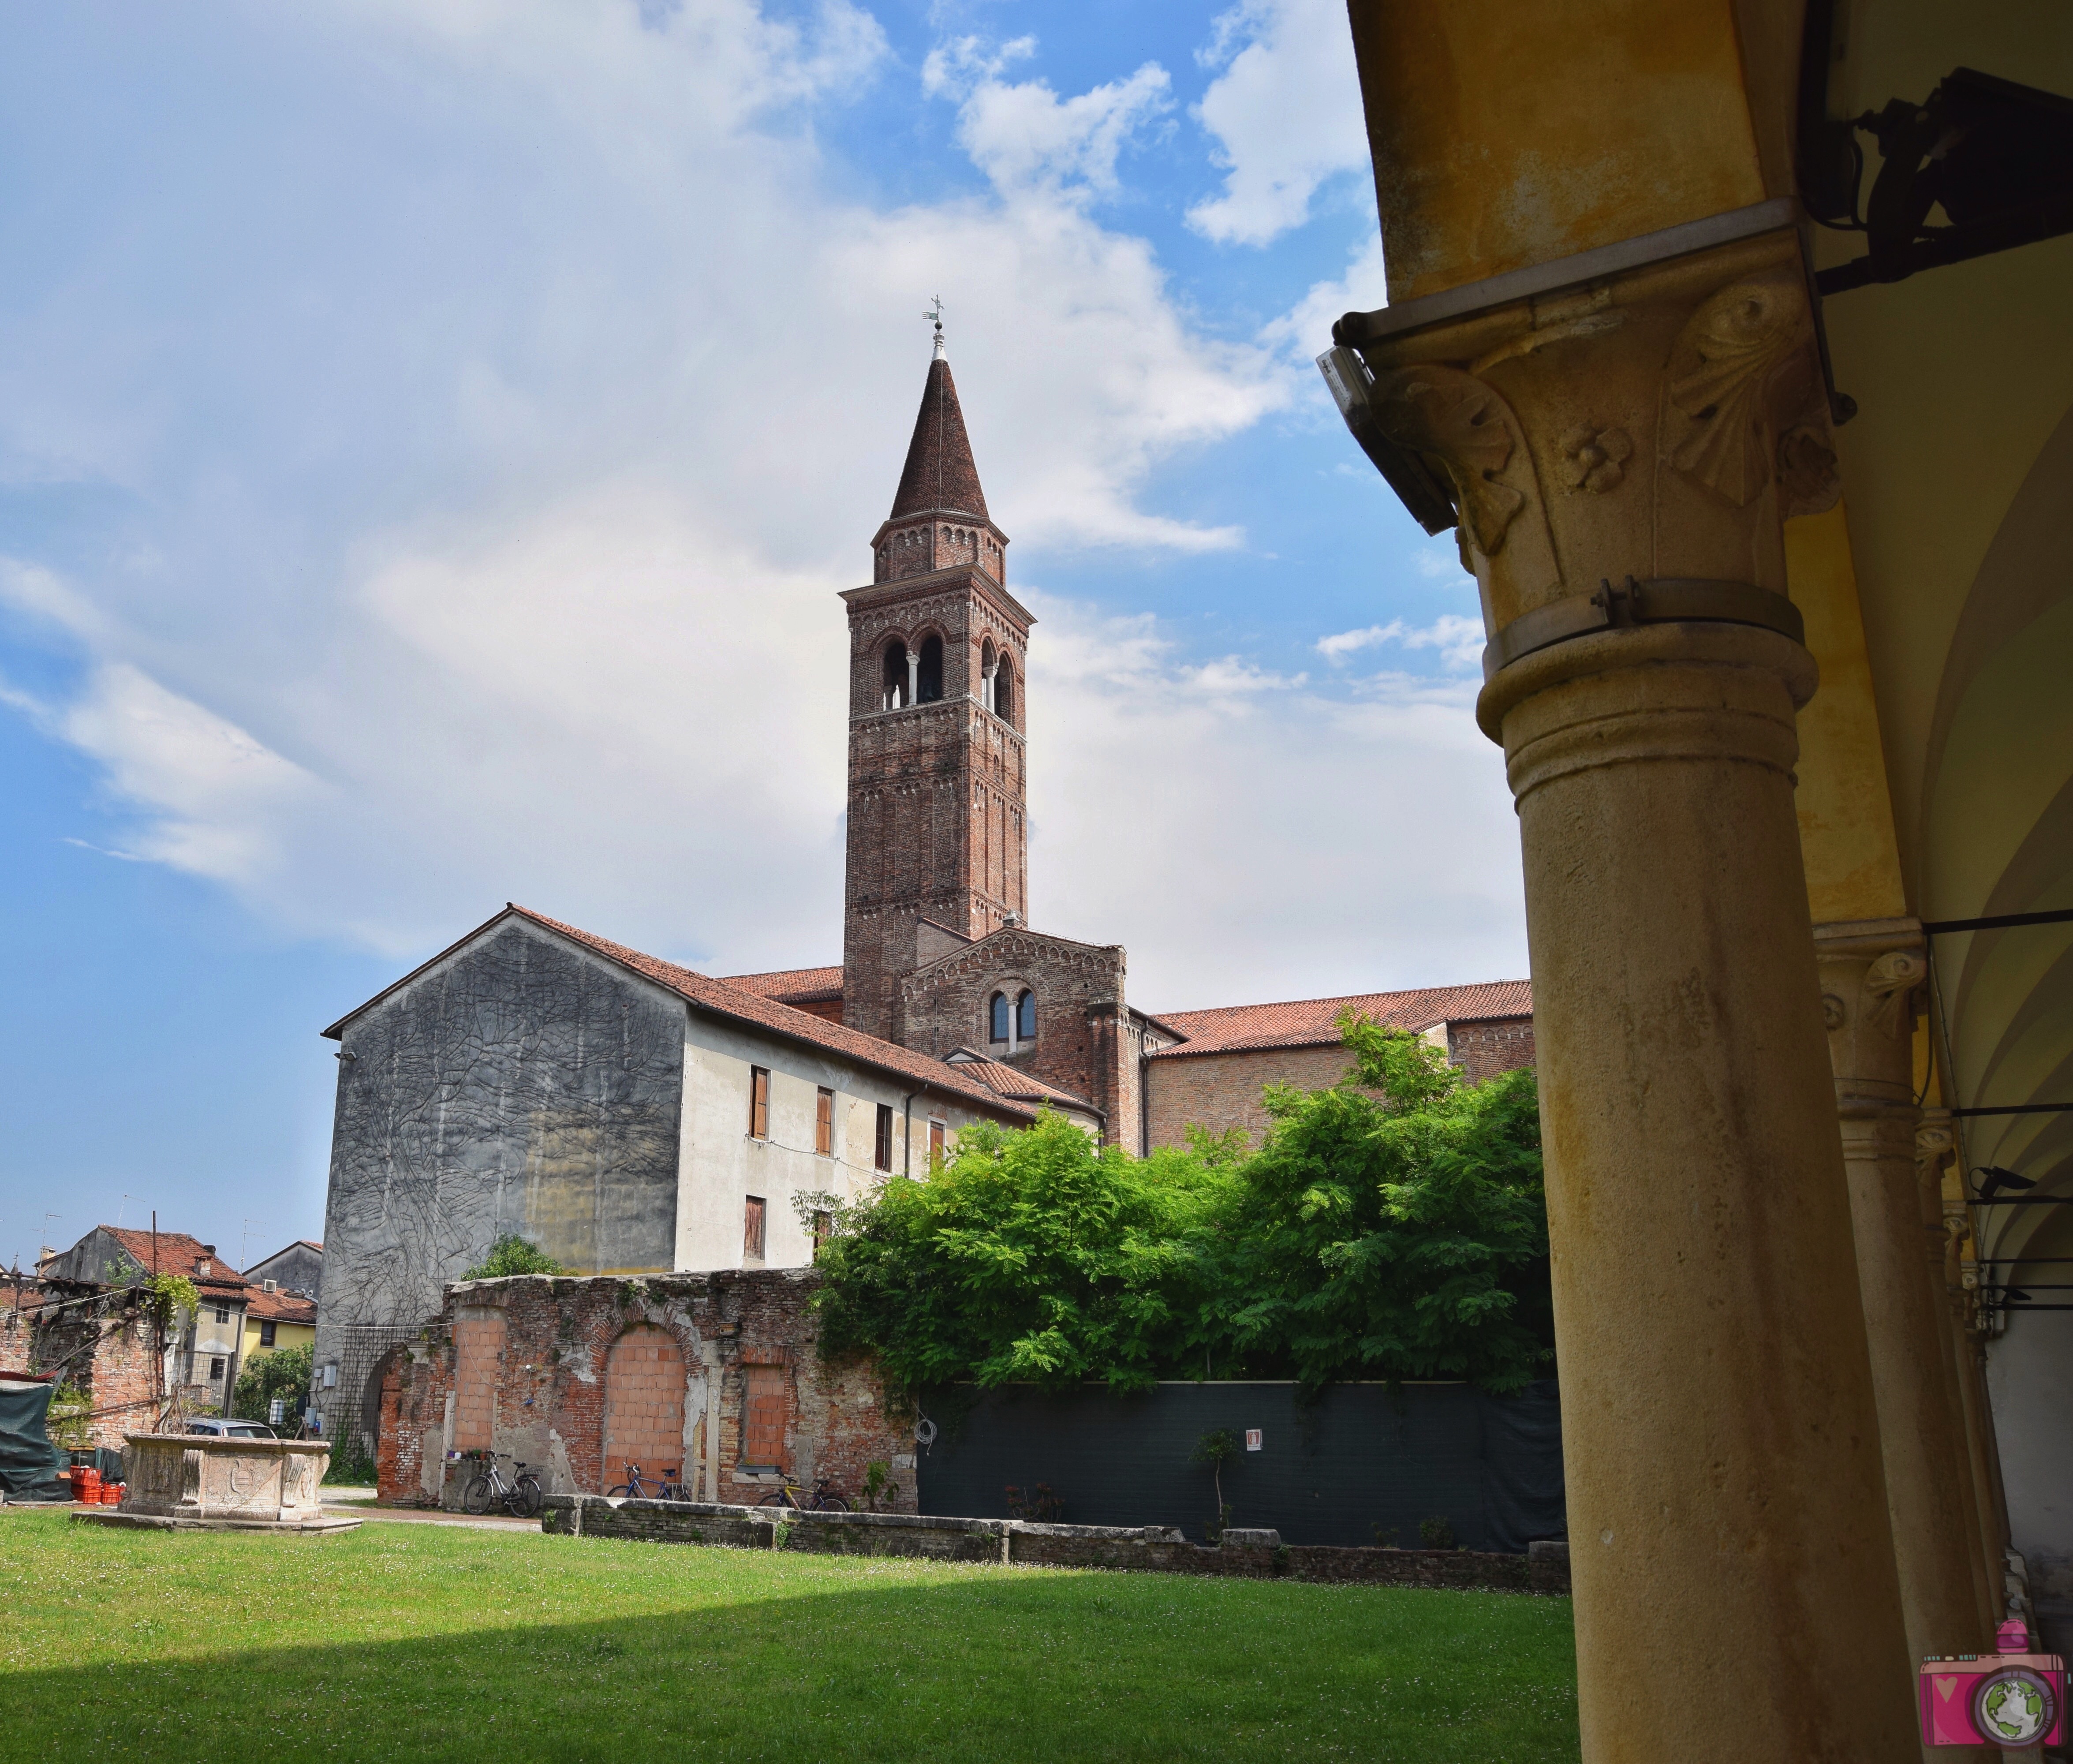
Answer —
1391 1226
1031 1257
511 1254
1394 1225
283 1372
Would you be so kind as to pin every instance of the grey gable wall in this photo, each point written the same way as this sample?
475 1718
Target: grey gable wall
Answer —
523 1085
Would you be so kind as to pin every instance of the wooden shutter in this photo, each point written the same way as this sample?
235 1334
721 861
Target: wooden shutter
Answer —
759 1102
824 1122
935 1145
751 1227
885 1135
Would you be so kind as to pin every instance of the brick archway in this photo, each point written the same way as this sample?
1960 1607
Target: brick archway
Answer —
644 1404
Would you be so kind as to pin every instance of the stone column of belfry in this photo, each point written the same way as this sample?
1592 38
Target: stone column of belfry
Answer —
1870 973
1935 1149
1736 1594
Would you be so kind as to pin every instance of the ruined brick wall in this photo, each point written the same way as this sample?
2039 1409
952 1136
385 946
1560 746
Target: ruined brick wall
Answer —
1482 1050
19 1299
1220 1091
95 1337
569 1374
938 791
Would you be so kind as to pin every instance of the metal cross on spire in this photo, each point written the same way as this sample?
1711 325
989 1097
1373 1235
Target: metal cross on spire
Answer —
936 313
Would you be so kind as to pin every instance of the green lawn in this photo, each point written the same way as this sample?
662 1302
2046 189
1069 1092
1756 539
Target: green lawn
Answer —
420 1640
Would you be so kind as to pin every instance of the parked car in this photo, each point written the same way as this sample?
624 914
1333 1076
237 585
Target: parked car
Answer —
233 1430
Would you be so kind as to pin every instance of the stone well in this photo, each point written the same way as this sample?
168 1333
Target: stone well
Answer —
194 1481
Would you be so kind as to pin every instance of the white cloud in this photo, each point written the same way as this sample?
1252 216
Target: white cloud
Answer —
506 566
1023 136
1459 641
1304 332
1286 113
208 798
1278 841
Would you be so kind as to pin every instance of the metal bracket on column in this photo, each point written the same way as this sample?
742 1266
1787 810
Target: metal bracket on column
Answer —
1662 600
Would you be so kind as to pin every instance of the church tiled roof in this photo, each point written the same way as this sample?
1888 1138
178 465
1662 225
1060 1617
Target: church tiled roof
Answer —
791 986
1314 1022
1012 1081
939 473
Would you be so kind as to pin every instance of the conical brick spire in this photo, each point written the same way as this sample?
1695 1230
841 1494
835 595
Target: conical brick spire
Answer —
939 472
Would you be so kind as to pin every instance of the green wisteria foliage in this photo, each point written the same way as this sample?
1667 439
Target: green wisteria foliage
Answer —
1391 1227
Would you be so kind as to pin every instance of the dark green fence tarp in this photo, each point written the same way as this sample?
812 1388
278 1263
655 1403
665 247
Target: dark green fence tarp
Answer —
1363 1464
30 1466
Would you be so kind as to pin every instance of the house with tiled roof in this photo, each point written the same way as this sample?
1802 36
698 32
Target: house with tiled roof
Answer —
203 1360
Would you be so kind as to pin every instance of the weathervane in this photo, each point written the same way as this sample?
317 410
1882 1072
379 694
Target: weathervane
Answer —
936 313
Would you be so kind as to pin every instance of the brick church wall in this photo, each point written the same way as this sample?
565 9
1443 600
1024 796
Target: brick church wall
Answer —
1219 1091
576 1375
1483 1049
1084 1043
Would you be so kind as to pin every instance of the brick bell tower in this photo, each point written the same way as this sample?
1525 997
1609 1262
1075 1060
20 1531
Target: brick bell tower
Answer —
937 773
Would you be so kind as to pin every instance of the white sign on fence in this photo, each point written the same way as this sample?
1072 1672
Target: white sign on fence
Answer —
1252 1438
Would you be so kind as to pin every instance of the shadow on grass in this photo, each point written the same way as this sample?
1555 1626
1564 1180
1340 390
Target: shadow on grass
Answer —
808 1659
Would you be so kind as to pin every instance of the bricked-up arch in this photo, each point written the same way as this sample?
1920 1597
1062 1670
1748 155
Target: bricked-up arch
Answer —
478 1369
644 1403
765 1416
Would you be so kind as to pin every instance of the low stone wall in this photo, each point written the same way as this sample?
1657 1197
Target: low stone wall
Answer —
1150 1549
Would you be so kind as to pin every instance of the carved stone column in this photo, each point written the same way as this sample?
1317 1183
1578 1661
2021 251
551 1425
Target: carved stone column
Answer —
1935 1149
1969 1334
1621 455
1870 971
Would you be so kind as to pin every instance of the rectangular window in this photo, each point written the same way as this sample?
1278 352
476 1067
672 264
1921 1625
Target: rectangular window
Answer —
759 1102
216 1370
752 1228
223 1313
266 1334
885 1135
824 1122
935 1145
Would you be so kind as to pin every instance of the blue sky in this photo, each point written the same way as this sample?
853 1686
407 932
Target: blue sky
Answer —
431 439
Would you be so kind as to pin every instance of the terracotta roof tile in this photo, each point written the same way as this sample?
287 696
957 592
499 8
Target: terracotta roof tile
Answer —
279 1307
1012 1081
788 986
1314 1022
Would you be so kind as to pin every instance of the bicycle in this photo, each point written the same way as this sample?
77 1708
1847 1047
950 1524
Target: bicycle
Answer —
668 1486
824 1499
520 1496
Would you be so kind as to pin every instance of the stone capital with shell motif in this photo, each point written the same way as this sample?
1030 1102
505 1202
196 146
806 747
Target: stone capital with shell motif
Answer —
1632 446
